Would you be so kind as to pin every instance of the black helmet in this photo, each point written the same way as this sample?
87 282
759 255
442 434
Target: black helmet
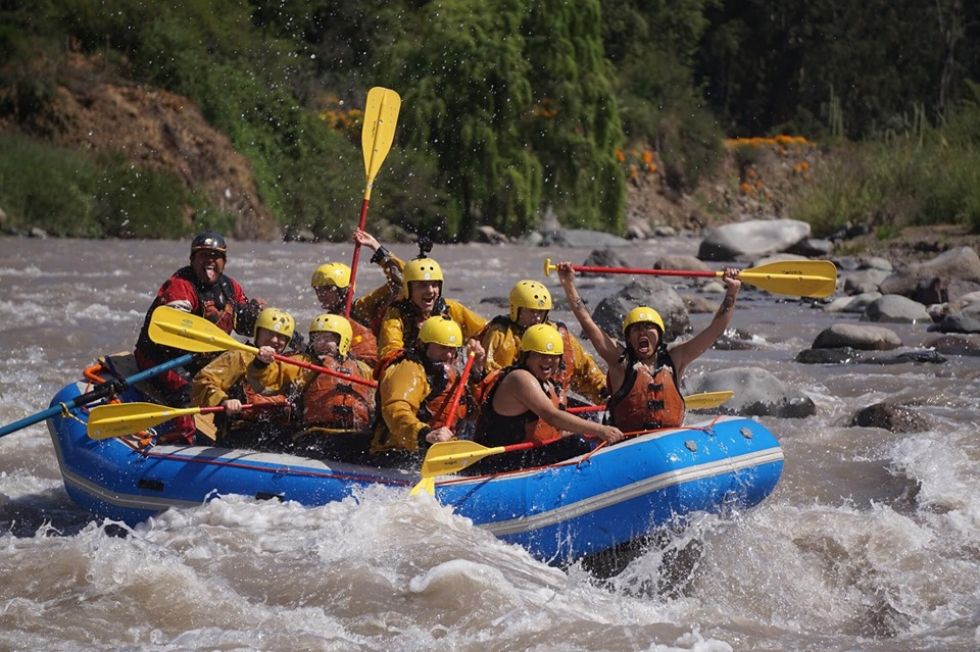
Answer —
208 240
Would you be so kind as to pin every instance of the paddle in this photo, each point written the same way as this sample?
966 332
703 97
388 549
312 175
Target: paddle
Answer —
119 419
377 134
96 394
452 456
176 328
428 481
799 278
702 401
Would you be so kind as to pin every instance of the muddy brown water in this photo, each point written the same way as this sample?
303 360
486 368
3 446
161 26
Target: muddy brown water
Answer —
870 541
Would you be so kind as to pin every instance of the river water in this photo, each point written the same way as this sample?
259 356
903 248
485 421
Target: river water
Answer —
870 542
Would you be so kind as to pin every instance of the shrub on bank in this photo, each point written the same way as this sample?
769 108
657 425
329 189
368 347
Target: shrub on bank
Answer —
69 193
931 177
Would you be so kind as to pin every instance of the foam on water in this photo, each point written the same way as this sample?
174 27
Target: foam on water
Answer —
869 542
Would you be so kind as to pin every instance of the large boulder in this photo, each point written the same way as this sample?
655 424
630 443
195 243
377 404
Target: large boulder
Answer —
898 309
960 322
890 416
857 303
651 292
863 281
956 272
752 239
857 336
757 393
582 238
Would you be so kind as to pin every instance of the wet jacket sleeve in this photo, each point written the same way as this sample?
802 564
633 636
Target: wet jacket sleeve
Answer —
178 293
277 377
402 390
501 345
391 335
588 380
212 383
469 322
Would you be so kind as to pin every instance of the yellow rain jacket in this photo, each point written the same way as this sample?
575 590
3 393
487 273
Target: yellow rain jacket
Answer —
402 321
214 383
502 341
407 395
371 308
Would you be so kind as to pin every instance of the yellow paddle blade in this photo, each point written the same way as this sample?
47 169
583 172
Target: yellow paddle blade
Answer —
428 485
182 330
798 278
378 132
707 400
451 456
118 419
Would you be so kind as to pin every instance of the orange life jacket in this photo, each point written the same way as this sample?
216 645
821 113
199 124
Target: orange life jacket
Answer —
648 400
364 345
330 402
273 415
493 429
435 409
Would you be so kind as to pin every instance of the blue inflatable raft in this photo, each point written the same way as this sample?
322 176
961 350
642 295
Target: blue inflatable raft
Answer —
559 513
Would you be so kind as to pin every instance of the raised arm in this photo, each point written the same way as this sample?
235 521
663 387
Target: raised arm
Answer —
686 353
607 348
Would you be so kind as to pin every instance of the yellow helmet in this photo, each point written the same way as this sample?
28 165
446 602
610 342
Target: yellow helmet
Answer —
529 294
441 330
331 274
643 314
328 323
542 338
275 320
421 269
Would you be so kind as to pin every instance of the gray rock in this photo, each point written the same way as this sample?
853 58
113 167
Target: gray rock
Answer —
610 312
664 231
957 323
857 336
637 229
697 304
813 248
681 261
851 356
875 262
753 238
891 417
961 262
864 281
955 344
757 393
607 257
856 304
37 232
897 309
533 239
489 235
582 238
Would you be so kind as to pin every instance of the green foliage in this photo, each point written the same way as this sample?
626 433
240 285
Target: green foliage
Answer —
813 66
653 45
926 178
68 193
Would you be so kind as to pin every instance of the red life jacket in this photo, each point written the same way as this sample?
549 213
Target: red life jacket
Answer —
648 400
494 429
330 402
